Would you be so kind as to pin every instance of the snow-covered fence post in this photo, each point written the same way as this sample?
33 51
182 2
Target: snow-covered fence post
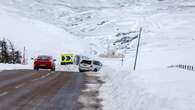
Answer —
191 67
122 60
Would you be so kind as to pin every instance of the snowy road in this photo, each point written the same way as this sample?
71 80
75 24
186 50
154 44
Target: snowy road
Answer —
39 90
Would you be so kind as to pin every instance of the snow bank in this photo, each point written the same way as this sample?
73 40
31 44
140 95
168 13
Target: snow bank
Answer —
14 67
146 89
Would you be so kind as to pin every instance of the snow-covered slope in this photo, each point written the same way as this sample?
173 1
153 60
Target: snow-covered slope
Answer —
38 37
98 20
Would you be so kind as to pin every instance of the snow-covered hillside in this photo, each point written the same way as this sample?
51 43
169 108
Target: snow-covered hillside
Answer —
38 37
100 20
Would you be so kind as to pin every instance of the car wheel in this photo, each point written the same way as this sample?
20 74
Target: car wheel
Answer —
53 69
81 70
95 70
36 68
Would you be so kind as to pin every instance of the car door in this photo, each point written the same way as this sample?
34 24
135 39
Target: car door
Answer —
97 65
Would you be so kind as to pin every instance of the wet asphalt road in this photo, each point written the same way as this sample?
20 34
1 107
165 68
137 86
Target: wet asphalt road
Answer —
39 90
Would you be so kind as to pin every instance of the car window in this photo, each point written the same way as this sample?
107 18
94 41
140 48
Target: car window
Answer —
43 57
96 63
86 62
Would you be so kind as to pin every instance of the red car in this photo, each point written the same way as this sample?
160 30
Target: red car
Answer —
44 62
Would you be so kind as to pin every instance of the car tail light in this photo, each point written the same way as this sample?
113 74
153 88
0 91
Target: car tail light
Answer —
36 60
50 60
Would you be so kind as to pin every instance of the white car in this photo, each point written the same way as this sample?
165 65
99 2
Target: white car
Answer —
90 65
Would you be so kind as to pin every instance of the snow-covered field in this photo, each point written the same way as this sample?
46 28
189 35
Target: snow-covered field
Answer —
168 38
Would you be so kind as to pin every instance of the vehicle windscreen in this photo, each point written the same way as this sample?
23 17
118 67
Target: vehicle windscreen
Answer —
43 57
96 63
86 62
